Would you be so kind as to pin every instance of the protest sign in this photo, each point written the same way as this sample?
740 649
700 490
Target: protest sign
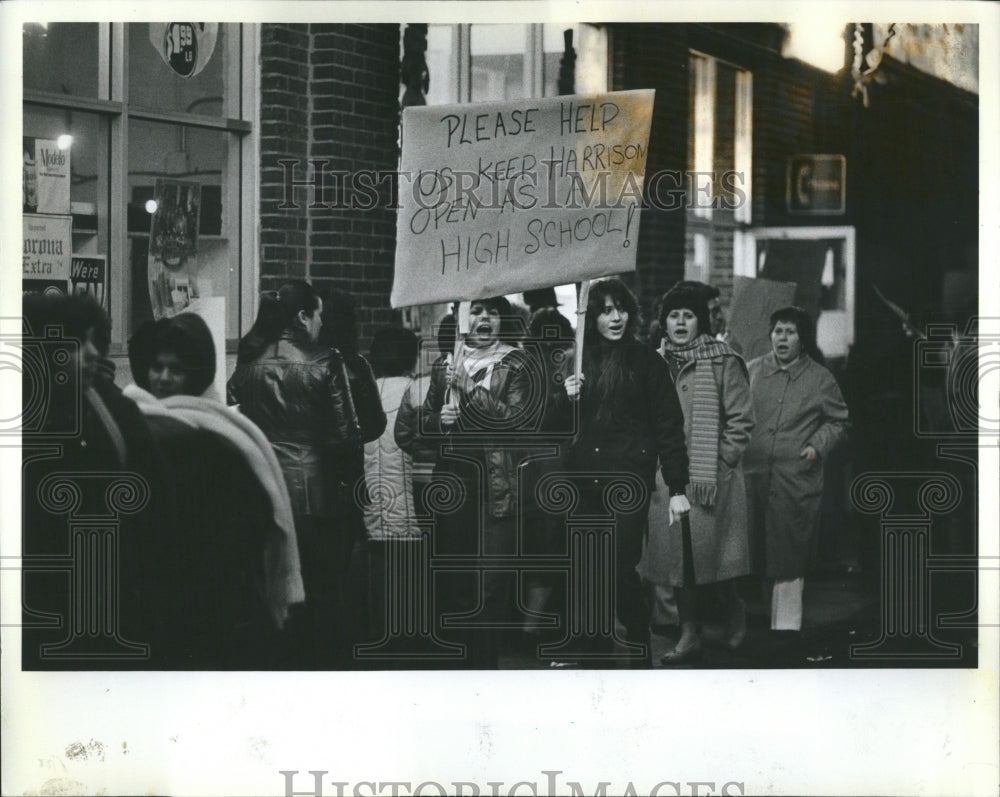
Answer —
503 197
753 302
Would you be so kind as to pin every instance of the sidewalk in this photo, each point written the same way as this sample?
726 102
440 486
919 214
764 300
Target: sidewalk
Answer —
839 616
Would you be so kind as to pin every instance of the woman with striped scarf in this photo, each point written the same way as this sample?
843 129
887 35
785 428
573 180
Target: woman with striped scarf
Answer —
711 546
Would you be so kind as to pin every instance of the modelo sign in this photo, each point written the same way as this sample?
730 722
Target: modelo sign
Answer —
817 185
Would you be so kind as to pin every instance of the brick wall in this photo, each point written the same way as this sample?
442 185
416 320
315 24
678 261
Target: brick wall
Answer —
284 134
330 93
655 56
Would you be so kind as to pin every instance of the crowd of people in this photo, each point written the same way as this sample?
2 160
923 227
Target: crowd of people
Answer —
277 516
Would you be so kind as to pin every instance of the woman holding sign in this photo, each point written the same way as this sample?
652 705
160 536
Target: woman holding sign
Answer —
472 406
630 418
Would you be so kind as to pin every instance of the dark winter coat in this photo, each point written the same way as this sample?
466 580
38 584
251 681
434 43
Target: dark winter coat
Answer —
648 426
74 445
508 408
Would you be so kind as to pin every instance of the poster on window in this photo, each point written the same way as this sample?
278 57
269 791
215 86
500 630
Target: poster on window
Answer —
173 246
504 197
46 176
47 247
89 274
186 47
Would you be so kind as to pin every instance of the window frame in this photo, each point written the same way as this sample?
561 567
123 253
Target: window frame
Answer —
459 77
112 104
460 64
832 346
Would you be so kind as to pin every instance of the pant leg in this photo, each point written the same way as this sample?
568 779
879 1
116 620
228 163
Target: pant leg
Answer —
786 605
377 588
497 593
324 551
630 596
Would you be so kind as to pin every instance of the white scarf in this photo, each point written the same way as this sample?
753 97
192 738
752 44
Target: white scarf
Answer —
475 365
282 568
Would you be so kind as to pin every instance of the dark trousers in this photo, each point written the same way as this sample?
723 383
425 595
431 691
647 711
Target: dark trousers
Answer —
318 632
628 534
471 603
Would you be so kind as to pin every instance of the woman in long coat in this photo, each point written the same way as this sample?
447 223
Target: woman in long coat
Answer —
801 415
712 545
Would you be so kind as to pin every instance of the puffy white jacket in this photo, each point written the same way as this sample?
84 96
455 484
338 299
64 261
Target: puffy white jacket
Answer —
389 472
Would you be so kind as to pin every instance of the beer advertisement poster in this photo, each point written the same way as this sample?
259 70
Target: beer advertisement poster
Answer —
47 251
46 177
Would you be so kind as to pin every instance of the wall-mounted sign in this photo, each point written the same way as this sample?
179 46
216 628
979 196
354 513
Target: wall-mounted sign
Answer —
817 185
186 47
45 186
46 253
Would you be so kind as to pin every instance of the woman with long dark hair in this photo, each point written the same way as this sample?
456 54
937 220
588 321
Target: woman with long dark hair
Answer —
630 420
711 545
801 415
296 391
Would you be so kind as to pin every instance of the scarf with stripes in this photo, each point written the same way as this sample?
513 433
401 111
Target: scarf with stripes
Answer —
703 434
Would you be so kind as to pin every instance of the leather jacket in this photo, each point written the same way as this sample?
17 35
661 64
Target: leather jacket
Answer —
299 397
507 410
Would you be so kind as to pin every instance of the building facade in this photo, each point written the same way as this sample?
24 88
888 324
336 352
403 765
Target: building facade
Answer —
784 170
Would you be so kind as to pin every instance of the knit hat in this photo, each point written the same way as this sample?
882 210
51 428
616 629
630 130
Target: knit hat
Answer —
684 297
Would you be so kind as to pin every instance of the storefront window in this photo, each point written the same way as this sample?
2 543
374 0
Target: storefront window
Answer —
167 157
62 58
172 69
87 149
719 163
176 135
442 51
590 73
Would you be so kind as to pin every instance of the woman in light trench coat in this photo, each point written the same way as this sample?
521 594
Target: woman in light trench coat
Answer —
712 545
801 415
